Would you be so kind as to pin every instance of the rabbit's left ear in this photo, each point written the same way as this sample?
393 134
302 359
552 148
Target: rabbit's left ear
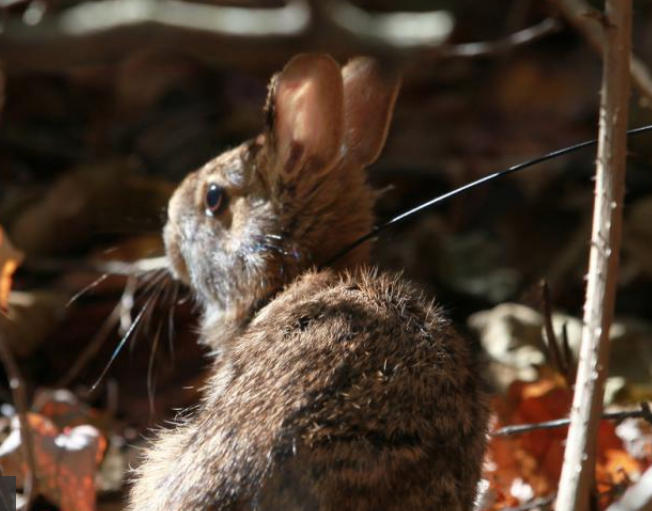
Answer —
305 112
369 98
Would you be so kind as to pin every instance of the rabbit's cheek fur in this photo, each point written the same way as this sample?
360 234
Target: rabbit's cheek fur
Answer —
177 263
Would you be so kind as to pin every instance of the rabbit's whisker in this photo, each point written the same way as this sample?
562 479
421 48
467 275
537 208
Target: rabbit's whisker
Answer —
153 280
150 368
184 299
91 348
87 288
127 302
172 307
145 324
265 246
123 341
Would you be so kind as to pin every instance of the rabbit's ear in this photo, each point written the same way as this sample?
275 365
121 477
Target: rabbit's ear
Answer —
305 115
369 97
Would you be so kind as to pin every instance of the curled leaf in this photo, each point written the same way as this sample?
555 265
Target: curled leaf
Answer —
10 259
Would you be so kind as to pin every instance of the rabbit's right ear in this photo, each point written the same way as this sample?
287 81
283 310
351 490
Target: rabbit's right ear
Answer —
369 97
305 116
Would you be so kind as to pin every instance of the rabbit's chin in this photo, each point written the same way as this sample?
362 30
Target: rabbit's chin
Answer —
220 325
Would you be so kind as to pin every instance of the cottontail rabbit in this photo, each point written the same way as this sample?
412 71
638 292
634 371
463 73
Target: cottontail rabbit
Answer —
335 390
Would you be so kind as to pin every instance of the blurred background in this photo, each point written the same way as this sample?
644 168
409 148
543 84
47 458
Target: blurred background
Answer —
105 106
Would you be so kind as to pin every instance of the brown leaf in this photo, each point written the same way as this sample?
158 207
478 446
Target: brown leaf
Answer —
533 460
10 259
66 461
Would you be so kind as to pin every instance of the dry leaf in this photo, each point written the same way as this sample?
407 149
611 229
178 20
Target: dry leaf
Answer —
528 466
10 259
66 461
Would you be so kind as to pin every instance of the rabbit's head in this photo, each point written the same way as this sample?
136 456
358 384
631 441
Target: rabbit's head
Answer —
255 217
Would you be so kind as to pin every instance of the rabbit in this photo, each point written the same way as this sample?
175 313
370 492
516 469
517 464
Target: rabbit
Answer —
334 389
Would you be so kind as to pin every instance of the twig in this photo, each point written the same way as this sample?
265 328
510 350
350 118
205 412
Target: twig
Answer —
551 337
644 413
579 456
490 48
579 14
637 497
17 384
542 502
568 353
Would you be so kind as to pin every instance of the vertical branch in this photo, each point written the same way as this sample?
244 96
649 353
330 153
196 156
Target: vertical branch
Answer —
579 457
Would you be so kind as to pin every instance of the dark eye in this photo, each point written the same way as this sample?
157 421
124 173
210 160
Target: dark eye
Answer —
215 199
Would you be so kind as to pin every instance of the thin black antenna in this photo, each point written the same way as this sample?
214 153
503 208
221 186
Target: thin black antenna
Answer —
490 177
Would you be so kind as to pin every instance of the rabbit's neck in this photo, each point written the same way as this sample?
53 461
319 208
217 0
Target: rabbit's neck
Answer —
220 328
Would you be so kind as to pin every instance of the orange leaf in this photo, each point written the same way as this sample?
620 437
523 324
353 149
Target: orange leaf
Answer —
10 259
535 458
66 461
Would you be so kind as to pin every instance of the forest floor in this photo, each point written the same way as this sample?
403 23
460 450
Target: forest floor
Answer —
89 157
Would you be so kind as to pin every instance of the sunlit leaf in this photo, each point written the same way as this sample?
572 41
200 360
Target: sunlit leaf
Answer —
10 259
66 461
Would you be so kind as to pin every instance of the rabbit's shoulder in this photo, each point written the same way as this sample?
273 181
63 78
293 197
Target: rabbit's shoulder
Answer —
363 350
378 392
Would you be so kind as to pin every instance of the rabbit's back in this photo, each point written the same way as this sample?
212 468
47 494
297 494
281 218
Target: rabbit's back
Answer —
344 393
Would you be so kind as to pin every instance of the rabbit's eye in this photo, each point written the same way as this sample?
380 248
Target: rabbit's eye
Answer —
215 199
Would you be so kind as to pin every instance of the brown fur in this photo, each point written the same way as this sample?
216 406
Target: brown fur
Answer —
348 390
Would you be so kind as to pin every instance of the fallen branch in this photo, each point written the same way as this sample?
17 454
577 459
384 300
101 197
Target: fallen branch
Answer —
579 456
106 31
644 413
585 19
18 391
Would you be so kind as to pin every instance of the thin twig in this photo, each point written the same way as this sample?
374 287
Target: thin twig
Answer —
579 456
542 502
583 17
490 48
551 338
643 413
19 393
568 353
